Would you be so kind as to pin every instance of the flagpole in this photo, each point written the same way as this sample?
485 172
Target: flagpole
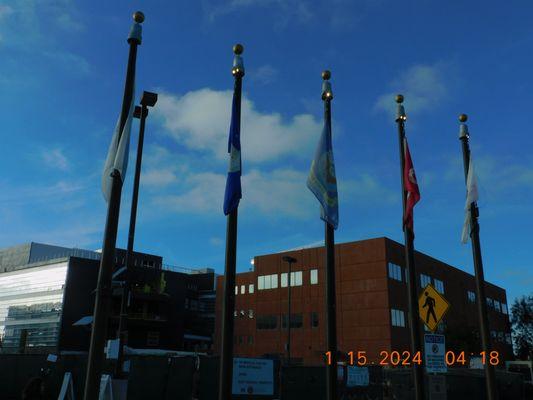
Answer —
107 259
148 99
228 298
329 238
490 380
418 376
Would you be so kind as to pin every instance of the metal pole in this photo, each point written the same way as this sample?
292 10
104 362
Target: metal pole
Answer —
418 375
289 260
228 298
289 316
490 381
122 332
331 309
107 260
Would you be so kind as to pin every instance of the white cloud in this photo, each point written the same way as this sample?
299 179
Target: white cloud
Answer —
5 10
265 74
200 119
363 190
216 241
158 177
496 175
55 158
281 192
68 23
422 86
286 10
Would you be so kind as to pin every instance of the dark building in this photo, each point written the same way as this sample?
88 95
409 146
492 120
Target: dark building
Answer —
47 305
371 304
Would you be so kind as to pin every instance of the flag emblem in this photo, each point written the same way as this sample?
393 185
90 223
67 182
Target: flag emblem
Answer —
322 180
411 187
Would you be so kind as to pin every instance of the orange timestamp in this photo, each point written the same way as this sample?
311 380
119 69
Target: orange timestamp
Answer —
405 358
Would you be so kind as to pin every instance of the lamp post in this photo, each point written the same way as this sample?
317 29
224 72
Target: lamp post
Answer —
148 99
290 260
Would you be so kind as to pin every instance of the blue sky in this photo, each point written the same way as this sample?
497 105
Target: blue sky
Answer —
61 80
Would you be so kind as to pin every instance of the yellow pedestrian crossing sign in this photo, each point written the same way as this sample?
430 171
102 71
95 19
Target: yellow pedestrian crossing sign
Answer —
431 307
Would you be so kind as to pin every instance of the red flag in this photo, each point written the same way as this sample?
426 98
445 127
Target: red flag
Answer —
411 187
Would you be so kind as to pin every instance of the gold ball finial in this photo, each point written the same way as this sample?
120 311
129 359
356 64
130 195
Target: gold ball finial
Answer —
326 74
463 118
238 49
138 17
399 98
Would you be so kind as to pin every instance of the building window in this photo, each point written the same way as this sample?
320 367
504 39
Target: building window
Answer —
236 290
397 317
152 339
284 279
296 278
250 339
243 313
264 322
296 321
251 288
267 282
250 313
471 296
243 289
314 319
395 272
235 313
497 306
439 286
193 305
508 338
274 281
500 337
314 276
424 280
240 339
493 334
490 303
504 308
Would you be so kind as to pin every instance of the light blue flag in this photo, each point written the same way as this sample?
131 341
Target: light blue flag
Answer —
322 181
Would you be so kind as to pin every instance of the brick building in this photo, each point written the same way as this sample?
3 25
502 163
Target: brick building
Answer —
371 303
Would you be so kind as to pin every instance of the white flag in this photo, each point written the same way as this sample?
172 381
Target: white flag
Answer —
471 196
117 155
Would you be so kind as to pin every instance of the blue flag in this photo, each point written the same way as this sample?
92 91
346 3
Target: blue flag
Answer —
322 181
233 183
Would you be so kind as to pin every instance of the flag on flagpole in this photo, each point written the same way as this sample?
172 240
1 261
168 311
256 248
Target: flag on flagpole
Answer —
322 181
117 155
471 197
233 192
411 187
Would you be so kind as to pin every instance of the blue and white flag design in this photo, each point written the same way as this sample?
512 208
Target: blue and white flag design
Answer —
322 181
233 183
117 155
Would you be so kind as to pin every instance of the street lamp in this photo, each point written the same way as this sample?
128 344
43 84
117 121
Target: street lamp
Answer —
290 260
148 99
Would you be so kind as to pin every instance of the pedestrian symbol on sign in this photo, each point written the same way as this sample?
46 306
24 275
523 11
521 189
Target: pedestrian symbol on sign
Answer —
430 304
431 307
